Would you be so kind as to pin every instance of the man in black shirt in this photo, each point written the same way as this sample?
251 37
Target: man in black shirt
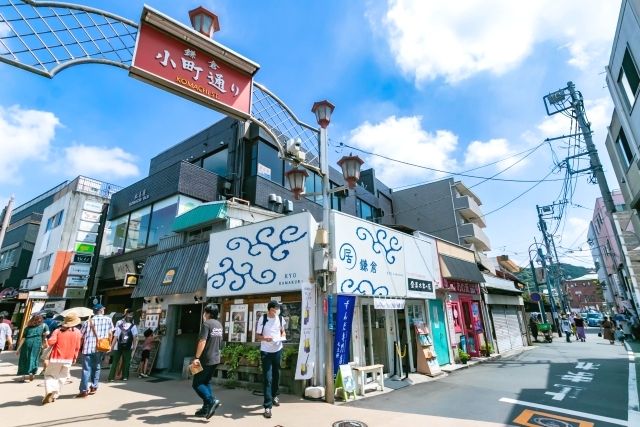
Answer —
208 356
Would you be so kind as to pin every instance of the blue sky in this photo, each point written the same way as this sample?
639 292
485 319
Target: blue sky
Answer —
451 86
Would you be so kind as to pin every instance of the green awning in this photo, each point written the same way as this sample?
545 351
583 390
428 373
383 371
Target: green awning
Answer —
201 215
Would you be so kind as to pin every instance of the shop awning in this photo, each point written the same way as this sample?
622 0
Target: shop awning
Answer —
455 268
174 271
200 216
497 285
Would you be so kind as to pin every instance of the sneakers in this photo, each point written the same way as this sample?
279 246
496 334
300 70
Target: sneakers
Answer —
276 401
93 390
212 409
267 412
201 412
143 376
82 394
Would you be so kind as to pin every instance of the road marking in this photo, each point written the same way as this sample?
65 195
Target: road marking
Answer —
630 352
529 418
565 411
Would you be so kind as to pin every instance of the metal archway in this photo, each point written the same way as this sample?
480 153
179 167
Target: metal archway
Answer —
46 37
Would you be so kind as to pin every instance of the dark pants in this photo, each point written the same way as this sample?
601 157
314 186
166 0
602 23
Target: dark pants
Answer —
201 384
125 355
568 335
270 376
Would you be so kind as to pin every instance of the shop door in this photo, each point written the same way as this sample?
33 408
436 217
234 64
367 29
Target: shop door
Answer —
471 313
375 335
439 331
414 312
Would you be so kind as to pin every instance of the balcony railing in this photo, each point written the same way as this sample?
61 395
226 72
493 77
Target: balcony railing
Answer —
469 209
474 235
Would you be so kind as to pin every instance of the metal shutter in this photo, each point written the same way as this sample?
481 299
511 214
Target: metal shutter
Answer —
515 334
501 326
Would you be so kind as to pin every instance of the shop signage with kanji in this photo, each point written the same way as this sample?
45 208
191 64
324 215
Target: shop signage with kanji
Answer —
420 285
462 287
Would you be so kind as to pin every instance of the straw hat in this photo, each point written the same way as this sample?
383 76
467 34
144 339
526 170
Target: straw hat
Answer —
71 320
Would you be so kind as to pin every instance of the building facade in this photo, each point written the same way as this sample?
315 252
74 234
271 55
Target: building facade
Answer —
584 293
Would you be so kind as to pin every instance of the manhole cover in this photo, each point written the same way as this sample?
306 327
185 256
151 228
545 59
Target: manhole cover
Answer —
349 423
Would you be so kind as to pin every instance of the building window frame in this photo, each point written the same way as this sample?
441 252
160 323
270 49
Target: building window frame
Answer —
54 220
624 150
629 78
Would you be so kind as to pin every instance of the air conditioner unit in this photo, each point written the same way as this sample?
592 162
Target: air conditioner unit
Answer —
272 198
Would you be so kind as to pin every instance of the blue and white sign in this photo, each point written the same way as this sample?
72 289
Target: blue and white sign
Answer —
271 256
378 261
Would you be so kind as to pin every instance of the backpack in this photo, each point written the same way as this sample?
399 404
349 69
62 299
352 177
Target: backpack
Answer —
265 320
125 339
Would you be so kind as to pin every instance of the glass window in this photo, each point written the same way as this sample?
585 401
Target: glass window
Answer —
251 160
186 204
624 150
54 221
270 165
365 210
43 264
164 213
217 162
116 234
336 201
7 258
138 229
629 79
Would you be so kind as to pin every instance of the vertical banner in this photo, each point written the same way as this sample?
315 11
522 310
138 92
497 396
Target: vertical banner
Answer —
307 348
344 318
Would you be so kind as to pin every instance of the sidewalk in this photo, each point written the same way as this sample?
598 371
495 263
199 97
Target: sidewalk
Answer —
158 401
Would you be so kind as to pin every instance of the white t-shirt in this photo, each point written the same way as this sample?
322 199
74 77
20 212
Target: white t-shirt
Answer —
271 329
5 332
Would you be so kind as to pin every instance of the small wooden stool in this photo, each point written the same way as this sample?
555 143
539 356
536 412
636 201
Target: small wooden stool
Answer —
361 376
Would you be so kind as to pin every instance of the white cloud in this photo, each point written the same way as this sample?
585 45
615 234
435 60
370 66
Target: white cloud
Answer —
455 40
403 138
98 162
480 153
25 135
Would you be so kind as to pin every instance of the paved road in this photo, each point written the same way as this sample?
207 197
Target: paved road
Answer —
553 385
595 373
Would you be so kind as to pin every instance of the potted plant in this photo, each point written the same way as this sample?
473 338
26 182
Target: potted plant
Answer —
289 353
464 356
250 356
487 350
231 354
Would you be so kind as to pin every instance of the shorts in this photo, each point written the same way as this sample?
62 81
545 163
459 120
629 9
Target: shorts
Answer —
145 355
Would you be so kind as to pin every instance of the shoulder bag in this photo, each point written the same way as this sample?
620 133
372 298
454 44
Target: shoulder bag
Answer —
103 345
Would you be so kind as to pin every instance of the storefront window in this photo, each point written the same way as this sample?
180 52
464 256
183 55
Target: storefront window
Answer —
164 213
217 162
270 166
457 316
138 229
117 232
186 204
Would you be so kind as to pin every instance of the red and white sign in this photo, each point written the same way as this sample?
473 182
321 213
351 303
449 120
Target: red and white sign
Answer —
162 57
461 287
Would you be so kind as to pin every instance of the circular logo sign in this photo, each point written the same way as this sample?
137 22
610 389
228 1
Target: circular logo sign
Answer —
535 297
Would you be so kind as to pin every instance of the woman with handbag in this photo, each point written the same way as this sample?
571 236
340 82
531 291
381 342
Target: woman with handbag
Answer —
608 328
65 342
33 341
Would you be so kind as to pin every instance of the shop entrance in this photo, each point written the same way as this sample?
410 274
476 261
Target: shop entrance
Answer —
377 349
414 313
439 331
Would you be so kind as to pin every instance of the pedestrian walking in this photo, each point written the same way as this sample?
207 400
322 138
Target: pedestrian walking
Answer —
208 357
125 341
147 345
270 333
608 330
579 322
97 330
565 325
65 342
29 347
533 325
6 339
619 335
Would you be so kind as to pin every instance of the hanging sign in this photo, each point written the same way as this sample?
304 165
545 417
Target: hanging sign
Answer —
307 347
179 59
85 248
79 269
82 259
344 318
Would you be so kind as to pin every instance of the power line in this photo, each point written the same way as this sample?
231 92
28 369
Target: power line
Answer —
444 171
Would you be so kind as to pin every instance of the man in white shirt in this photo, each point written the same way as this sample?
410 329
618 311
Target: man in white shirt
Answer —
125 341
5 334
270 333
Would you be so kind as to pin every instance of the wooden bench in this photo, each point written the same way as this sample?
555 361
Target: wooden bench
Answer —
361 372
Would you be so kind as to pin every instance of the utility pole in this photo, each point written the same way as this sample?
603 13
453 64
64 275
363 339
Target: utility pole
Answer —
554 311
551 283
570 99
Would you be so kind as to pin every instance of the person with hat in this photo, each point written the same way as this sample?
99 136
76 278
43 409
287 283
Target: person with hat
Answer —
97 327
65 343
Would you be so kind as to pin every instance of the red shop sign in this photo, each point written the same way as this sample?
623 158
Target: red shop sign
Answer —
461 287
180 67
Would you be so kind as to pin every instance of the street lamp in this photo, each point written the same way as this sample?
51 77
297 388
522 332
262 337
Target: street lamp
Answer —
204 21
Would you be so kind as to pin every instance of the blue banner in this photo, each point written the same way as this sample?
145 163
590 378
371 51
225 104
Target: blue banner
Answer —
344 319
